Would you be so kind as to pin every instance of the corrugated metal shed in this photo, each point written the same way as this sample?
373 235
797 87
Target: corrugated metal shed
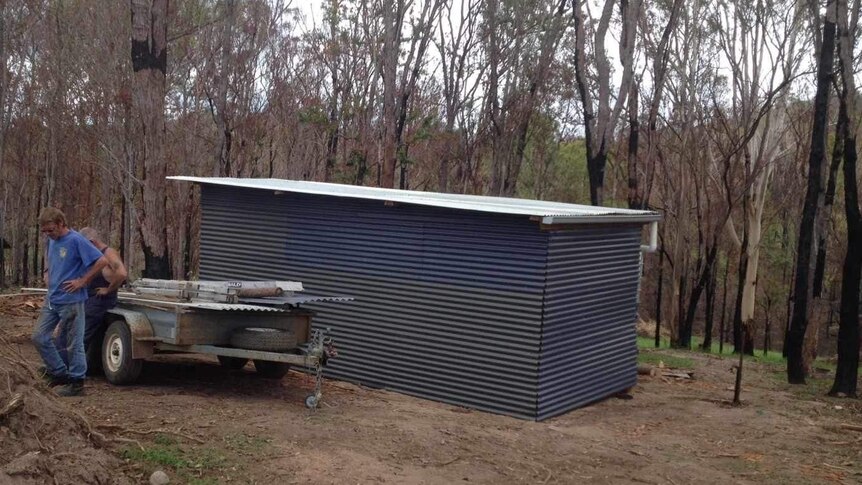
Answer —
480 308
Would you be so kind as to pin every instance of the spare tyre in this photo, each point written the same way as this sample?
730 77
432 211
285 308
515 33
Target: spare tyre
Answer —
260 338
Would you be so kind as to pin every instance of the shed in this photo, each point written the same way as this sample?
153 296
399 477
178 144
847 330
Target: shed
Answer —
519 307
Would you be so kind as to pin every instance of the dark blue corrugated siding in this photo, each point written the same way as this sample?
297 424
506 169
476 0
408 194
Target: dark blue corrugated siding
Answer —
448 303
589 346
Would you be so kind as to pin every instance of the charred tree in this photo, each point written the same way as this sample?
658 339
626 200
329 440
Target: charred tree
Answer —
802 293
685 328
721 330
846 374
600 123
149 63
710 311
658 299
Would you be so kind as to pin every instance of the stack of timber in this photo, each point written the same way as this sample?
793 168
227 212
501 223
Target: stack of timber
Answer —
212 291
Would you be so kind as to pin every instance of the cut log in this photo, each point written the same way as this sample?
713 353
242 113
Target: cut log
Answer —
677 374
647 370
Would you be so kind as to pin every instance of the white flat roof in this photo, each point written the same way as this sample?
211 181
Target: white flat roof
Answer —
549 212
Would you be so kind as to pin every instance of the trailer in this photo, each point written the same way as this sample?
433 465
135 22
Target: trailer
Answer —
235 321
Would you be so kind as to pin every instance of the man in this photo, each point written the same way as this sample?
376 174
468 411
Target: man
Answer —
101 292
72 262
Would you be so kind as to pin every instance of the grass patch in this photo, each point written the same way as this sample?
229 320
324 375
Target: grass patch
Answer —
190 465
244 444
653 358
771 357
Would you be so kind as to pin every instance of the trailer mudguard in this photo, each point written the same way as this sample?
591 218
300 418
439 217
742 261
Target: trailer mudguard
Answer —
143 344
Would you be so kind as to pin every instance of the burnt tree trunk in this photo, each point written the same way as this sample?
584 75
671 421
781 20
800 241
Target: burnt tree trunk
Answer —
828 202
685 328
149 62
658 299
846 373
710 312
635 196
796 368
722 333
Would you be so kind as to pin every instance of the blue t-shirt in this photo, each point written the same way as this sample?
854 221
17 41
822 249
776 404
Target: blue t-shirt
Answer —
69 257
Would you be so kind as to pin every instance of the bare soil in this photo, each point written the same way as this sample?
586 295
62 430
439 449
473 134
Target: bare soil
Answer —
203 424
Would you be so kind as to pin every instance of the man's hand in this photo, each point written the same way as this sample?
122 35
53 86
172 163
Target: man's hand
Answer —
73 285
105 291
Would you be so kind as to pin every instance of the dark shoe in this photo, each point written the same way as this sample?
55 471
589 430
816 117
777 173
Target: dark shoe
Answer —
52 380
73 388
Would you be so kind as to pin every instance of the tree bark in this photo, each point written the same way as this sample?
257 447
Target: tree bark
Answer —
149 62
333 17
225 131
685 328
823 219
393 12
721 332
600 122
659 299
710 312
739 330
846 373
635 196
796 366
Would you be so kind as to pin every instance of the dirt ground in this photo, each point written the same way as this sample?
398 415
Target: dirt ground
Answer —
203 424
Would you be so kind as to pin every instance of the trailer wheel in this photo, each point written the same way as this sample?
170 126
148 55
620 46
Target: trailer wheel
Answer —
266 339
271 370
117 362
232 363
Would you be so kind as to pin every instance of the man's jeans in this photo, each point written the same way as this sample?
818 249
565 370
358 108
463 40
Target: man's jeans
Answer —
71 318
94 309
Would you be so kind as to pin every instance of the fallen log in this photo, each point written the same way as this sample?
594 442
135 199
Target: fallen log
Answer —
678 374
647 370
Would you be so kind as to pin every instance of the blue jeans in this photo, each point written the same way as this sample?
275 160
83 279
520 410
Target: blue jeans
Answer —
94 311
71 319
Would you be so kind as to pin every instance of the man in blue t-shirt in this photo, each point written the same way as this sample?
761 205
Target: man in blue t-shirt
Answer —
72 262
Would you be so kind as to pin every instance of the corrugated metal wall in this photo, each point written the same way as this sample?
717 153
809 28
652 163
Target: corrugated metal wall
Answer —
448 303
589 344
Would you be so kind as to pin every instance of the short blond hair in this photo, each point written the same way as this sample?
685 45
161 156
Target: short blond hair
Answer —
52 214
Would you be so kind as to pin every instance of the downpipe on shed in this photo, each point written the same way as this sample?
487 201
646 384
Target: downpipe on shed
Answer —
653 238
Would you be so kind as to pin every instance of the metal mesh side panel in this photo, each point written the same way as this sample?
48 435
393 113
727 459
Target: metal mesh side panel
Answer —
448 303
589 345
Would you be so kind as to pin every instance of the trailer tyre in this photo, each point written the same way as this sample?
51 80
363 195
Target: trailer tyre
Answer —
117 362
266 339
271 370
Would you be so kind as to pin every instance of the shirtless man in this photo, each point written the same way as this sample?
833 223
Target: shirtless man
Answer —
102 291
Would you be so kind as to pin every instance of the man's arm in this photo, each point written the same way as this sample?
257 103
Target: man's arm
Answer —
82 282
118 272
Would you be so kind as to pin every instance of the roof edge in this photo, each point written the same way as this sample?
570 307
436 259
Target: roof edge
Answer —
491 205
